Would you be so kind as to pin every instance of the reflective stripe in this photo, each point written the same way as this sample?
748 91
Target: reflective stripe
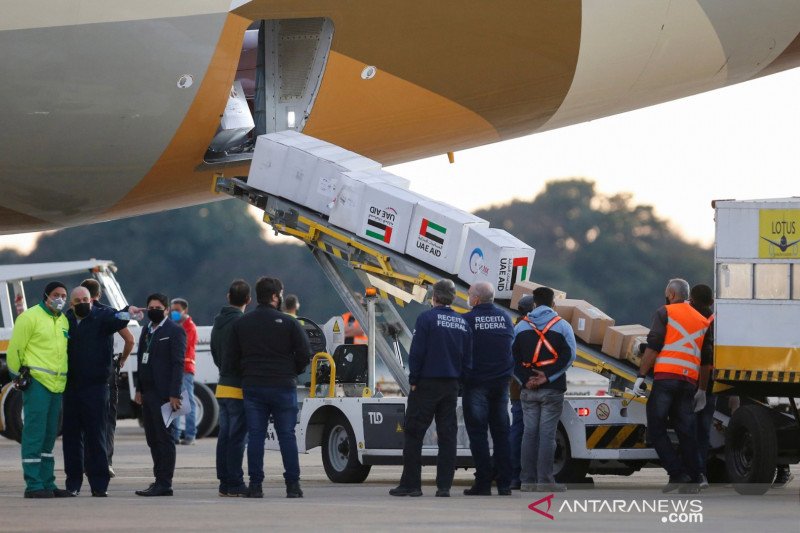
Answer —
47 371
542 340
687 343
677 362
31 460
48 455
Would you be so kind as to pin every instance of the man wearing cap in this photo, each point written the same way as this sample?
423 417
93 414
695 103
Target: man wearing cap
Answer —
440 355
39 345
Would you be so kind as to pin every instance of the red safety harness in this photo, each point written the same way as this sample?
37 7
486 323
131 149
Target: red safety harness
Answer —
542 341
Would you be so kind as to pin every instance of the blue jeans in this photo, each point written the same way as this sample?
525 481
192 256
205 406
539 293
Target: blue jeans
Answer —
190 427
670 402
259 404
230 443
517 428
486 410
541 410
704 420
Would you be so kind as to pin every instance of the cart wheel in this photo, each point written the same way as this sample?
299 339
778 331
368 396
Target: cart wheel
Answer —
566 469
751 450
340 452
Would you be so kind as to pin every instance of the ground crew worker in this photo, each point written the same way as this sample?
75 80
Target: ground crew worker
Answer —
544 349
675 351
701 297
291 305
39 344
485 399
86 396
353 332
179 313
232 423
160 357
113 379
441 352
524 307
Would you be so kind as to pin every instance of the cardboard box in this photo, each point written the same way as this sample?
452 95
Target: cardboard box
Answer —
494 255
438 234
521 288
566 307
590 324
348 204
632 352
619 339
266 167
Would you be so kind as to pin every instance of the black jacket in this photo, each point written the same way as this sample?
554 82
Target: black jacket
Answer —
269 348
163 373
220 340
91 346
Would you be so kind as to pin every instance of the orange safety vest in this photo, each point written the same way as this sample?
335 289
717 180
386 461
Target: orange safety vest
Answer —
542 341
358 339
686 329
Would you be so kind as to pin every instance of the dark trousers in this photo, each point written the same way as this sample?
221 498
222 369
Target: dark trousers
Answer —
515 436
113 400
670 402
704 420
84 436
486 411
159 439
281 404
230 443
432 398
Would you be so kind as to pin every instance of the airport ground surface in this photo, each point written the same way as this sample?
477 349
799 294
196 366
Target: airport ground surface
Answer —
611 504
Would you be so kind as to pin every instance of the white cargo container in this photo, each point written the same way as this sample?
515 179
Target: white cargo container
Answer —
438 234
496 256
348 206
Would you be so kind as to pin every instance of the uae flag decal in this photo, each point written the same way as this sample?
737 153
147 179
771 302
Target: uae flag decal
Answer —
515 268
432 231
379 231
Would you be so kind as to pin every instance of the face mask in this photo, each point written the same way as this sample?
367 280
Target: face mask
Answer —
58 303
82 309
175 316
155 315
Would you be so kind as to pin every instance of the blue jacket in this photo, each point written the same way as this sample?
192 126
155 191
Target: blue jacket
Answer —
441 347
492 335
560 336
90 348
162 375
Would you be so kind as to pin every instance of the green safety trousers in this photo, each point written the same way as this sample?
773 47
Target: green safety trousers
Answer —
42 409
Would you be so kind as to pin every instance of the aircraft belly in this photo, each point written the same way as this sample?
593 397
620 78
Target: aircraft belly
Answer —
89 109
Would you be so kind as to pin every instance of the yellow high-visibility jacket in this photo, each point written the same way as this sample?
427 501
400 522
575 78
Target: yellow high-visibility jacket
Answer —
39 341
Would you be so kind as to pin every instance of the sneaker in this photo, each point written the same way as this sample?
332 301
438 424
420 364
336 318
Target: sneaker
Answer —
783 477
255 491
111 472
675 483
187 442
293 490
551 487
63 493
527 487
442 493
405 491
39 494
703 482
475 490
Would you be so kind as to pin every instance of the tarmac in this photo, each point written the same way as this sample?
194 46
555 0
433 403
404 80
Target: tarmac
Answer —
611 503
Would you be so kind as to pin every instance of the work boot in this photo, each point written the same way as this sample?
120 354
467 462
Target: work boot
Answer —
255 491
293 490
236 492
783 477
99 494
155 490
442 493
675 483
475 490
63 493
405 491
39 494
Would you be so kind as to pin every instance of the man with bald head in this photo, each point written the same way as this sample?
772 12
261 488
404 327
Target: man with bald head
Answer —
91 360
677 348
485 397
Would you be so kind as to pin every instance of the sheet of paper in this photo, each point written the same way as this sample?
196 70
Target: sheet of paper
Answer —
169 415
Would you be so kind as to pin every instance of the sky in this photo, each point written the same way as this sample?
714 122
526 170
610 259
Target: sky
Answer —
736 142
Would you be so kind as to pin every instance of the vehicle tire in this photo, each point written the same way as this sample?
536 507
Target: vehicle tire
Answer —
751 449
340 452
566 469
717 471
13 414
206 410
